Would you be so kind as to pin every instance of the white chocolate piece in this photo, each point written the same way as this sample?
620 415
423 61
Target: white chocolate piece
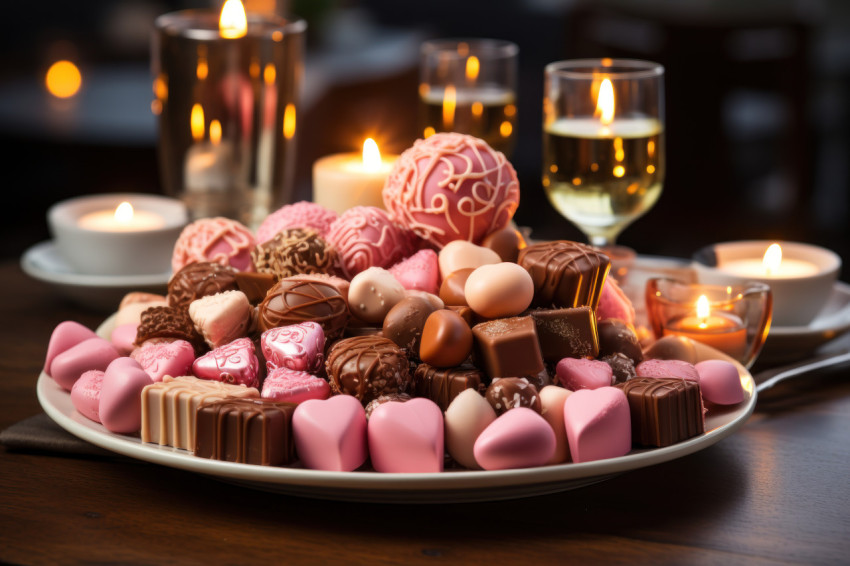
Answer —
466 417
460 254
552 399
373 292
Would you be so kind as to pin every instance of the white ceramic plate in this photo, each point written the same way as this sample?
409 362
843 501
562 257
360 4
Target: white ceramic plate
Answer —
449 486
103 292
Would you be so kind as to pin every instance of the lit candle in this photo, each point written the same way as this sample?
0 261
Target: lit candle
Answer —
772 265
722 331
344 180
123 219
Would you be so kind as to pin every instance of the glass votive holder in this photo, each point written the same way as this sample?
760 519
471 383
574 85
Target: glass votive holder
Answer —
734 319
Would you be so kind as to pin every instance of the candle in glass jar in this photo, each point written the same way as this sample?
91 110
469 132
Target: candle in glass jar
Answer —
722 331
123 219
344 180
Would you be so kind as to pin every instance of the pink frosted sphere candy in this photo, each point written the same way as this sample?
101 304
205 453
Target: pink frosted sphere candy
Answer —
452 186
121 396
302 214
90 354
218 239
407 437
331 434
365 236
66 334
598 424
575 374
292 386
667 368
85 394
519 438
296 346
719 382
235 362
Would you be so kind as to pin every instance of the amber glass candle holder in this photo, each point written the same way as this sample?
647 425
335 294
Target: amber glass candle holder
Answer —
733 319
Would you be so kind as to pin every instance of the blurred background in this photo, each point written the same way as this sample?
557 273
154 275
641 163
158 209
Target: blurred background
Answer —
757 103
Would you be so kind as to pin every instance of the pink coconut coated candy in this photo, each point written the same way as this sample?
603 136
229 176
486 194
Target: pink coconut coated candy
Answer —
419 272
331 434
719 382
452 186
667 368
219 239
120 408
66 334
297 346
365 236
292 386
519 438
235 362
407 437
159 359
575 374
598 423
302 214
90 354
85 394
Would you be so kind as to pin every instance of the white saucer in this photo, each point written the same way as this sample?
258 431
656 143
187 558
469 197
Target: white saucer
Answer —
103 292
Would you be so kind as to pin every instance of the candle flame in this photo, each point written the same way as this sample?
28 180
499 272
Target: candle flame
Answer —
449 103
772 259
703 310
124 213
289 121
233 22
196 122
371 156
605 102
215 132
63 79
473 66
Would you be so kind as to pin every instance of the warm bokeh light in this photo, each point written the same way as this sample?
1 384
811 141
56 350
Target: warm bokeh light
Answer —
473 66
196 122
703 310
269 74
124 213
449 104
605 102
506 128
772 258
371 156
289 121
233 22
215 132
63 79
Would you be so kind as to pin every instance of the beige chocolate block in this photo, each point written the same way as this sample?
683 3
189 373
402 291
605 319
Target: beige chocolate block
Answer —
169 406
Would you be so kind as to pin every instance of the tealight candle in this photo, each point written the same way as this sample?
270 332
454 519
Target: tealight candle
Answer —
722 331
800 276
344 180
117 234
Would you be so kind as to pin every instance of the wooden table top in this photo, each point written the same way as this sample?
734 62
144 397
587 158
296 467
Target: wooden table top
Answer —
775 491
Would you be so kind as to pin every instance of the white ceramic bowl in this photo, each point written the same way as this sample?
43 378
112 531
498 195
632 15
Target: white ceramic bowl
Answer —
797 300
134 252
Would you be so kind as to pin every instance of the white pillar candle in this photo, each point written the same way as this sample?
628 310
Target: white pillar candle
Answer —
345 180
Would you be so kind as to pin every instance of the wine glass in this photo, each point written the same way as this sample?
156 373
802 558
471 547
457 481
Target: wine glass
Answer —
469 86
603 142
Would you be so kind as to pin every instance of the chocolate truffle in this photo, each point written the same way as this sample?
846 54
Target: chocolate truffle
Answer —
617 337
301 298
367 367
442 385
622 366
405 321
663 410
293 251
565 274
169 323
197 280
510 392
375 403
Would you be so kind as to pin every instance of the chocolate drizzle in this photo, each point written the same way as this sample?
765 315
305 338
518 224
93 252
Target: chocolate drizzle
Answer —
565 274
198 280
367 367
293 300
442 385
664 410
293 251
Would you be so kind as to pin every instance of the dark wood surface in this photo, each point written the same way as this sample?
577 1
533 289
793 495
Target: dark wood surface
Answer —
777 491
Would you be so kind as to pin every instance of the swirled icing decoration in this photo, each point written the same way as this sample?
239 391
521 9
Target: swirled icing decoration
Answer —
452 186
218 239
365 236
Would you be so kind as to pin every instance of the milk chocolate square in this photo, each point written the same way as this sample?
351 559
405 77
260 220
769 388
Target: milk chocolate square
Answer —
566 333
664 410
169 406
442 385
508 347
250 431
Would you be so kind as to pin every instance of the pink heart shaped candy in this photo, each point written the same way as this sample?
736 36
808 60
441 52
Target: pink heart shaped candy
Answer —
598 424
297 346
92 353
518 438
293 386
575 374
719 382
121 396
407 437
85 394
159 359
123 337
235 362
66 334
330 434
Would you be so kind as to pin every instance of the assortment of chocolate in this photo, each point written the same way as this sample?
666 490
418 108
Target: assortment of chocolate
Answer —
372 337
